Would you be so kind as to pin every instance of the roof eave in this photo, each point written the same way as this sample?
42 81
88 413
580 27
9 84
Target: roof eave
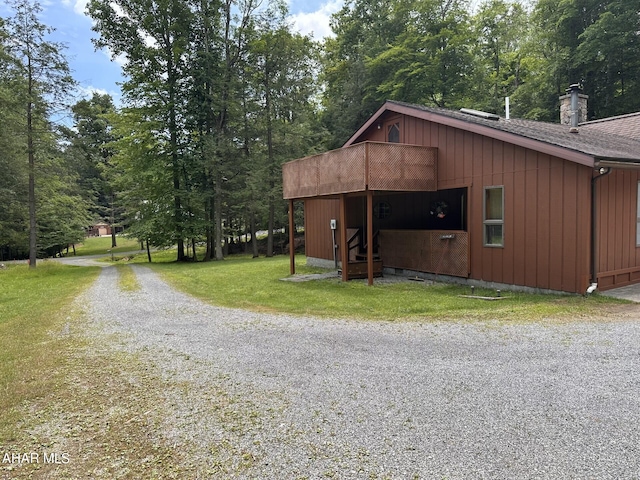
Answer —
537 145
606 162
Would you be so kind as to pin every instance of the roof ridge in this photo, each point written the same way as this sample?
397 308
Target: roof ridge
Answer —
608 119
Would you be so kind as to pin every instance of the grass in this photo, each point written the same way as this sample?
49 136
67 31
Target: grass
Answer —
102 245
64 392
243 282
127 280
33 304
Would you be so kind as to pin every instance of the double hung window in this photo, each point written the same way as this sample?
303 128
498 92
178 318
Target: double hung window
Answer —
493 217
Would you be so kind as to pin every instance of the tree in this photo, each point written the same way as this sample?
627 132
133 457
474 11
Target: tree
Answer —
155 37
363 30
47 82
89 145
502 30
220 49
283 66
63 212
430 63
14 214
608 58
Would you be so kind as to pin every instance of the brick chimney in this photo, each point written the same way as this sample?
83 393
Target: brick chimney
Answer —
573 106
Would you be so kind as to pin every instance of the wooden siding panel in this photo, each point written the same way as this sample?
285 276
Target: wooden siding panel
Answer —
618 256
468 158
570 228
459 151
531 217
557 219
611 221
446 154
543 221
508 266
583 247
318 239
518 198
627 219
619 202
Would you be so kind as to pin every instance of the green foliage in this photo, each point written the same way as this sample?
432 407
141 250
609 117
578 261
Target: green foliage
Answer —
35 81
89 150
218 94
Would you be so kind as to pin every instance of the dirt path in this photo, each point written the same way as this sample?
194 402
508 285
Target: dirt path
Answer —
163 386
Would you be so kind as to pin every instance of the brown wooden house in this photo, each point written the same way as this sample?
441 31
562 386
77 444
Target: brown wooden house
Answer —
476 198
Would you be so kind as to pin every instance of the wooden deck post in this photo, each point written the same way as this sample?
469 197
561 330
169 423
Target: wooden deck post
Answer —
344 248
292 240
369 237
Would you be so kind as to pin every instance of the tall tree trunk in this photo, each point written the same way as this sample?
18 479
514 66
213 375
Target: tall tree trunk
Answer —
254 238
113 221
33 245
270 159
208 212
217 222
271 228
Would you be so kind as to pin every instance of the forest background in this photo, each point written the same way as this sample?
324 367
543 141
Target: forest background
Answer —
218 94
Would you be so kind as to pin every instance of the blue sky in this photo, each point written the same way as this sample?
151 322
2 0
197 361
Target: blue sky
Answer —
94 71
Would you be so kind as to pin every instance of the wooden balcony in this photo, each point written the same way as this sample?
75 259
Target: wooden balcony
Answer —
364 166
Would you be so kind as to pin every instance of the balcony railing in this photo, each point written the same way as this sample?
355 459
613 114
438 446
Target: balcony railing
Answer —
361 167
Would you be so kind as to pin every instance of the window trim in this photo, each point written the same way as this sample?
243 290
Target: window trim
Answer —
390 127
490 222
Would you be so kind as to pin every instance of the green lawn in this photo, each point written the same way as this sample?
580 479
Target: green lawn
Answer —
34 307
102 245
256 284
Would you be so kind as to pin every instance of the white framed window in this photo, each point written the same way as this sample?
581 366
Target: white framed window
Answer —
638 218
493 216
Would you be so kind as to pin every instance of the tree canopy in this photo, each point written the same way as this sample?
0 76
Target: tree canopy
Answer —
219 93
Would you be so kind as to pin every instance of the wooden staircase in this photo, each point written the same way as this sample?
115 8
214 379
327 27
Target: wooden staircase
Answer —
357 245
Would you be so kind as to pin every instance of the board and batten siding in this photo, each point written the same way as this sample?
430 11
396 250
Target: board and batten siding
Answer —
547 206
618 254
318 213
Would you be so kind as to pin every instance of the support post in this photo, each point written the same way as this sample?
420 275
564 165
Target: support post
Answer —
369 237
344 248
292 240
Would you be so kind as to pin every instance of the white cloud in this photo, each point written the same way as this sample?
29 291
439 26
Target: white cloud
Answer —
316 23
80 6
88 91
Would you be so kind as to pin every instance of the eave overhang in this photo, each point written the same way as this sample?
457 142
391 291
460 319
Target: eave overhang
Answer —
508 137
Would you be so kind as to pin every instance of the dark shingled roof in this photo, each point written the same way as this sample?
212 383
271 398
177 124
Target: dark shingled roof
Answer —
624 125
589 140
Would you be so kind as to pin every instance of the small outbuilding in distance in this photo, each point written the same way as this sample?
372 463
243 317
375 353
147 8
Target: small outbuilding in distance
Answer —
476 198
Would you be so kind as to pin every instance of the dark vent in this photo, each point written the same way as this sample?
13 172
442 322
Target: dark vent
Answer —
480 114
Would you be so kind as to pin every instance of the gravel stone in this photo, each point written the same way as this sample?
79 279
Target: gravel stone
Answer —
279 396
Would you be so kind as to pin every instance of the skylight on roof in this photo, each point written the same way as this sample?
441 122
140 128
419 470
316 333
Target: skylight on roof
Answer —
480 114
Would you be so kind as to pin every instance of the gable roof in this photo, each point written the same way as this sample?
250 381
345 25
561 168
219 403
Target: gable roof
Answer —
589 146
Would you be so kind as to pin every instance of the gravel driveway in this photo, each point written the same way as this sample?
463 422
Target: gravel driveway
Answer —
316 398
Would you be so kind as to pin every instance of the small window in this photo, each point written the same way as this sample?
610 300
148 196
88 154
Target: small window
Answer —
638 218
493 217
393 133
